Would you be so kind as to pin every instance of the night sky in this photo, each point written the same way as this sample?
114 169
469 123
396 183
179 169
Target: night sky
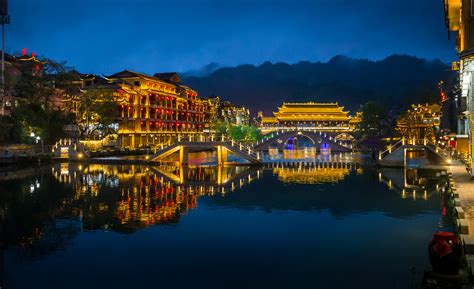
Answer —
105 36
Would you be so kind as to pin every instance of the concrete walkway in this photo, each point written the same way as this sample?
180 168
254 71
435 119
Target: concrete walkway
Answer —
463 189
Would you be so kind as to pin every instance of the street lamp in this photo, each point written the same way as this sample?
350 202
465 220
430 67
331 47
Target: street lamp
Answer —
37 139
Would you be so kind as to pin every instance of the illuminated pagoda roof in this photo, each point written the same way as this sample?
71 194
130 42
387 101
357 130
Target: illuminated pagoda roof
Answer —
166 82
311 111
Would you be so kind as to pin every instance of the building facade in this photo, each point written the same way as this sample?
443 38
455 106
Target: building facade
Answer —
153 110
459 16
226 112
16 67
326 117
421 121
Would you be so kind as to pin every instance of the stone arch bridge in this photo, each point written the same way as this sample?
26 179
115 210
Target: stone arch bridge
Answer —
319 140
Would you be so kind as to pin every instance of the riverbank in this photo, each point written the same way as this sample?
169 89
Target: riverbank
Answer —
463 192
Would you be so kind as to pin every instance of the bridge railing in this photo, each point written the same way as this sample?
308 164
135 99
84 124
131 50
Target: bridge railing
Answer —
414 141
438 149
242 147
280 132
391 148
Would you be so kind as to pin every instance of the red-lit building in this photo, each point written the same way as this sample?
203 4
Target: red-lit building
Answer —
15 67
152 109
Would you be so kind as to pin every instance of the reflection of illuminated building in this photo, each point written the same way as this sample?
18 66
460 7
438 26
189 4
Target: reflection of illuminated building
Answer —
413 183
304 153
147 195
329 117
308 175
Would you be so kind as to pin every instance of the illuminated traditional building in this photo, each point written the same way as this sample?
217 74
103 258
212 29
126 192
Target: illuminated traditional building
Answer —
227 112
153 109
328 117
421 121
15 67
459 16
234 114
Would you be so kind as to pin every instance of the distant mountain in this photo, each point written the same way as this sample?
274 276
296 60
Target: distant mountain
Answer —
397 80
201 72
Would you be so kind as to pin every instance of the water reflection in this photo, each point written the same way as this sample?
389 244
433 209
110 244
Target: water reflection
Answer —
310 154
414 183
47 207
138 196
311 175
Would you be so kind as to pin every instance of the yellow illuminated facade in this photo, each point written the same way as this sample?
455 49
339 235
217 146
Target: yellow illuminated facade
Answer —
328 117
459 16
421 121
152 109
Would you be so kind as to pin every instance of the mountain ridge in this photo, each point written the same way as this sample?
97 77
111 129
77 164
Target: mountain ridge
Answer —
397 80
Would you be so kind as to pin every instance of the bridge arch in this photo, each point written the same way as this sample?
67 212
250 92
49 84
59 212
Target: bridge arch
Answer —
279 139
299 141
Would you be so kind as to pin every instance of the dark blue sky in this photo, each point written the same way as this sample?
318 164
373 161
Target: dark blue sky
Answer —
104 36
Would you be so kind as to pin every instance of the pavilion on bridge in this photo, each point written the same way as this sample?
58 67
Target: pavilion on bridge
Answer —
313 116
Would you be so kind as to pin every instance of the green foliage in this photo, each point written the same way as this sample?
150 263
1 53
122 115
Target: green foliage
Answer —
35 112
27 118
237 133
11 130
219 127
98 113
34 90
247 133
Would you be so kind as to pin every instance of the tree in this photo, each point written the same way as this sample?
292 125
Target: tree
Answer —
249 133
237 133
252 133
374 119
98 112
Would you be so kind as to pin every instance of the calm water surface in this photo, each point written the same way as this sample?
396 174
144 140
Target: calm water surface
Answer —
102 226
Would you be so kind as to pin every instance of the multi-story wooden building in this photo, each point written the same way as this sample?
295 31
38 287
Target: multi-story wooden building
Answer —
459 16
327 117
15 68
226 112
153 110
